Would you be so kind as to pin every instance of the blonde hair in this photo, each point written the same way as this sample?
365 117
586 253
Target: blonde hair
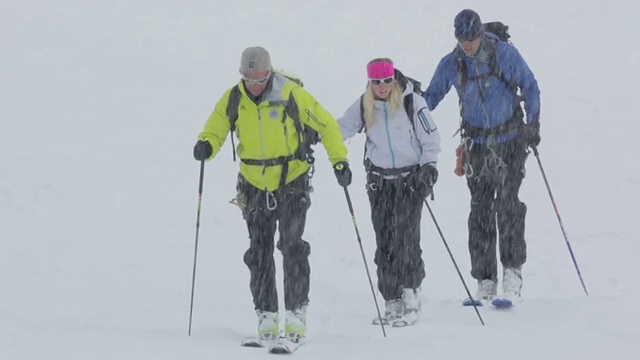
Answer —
368 99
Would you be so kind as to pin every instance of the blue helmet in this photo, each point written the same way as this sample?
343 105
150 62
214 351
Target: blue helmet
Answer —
468 25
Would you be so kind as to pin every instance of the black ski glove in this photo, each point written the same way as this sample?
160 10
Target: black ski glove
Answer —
202 150
343 173
429 174
423 180
531 136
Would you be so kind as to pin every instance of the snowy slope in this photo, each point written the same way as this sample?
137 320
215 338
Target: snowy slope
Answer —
102 102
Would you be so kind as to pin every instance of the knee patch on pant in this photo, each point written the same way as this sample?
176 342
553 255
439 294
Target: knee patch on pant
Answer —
299 249
296 258
252 257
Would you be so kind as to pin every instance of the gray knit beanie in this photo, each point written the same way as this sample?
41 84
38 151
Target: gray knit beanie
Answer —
255 58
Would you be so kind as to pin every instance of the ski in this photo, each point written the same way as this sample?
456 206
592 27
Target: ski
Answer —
284 346
409 318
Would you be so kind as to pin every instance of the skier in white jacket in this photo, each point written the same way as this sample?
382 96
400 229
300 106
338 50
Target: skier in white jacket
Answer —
401 154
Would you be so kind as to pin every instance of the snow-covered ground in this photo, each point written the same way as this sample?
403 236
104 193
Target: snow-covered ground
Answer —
102 102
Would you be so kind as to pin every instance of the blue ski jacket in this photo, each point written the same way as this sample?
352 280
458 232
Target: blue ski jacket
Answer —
487 102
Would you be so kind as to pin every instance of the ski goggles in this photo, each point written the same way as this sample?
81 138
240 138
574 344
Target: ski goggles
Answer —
466 38
261 80
377 82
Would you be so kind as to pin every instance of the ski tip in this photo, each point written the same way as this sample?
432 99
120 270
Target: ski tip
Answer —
377 322
251 341
279 349
284 346
471 302
502 303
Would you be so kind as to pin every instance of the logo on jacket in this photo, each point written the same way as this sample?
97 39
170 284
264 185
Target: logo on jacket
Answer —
273 114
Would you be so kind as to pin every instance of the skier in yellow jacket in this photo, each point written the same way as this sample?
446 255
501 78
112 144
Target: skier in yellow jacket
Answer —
274 118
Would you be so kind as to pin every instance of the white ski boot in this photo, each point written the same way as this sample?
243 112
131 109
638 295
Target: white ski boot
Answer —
512 282
295 325
268 323
412 307
394 309
487 289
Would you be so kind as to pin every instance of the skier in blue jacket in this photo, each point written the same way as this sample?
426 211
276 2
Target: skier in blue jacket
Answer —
487 74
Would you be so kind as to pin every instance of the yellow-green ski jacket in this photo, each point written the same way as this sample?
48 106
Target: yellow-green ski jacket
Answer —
263 135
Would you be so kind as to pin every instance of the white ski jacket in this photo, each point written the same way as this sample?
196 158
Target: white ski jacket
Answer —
393 142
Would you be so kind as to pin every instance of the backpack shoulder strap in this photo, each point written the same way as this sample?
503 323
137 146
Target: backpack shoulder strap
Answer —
408 108
291 110
232 106
363 127
307 136
408 99
462 71
463 77
497 72
232 113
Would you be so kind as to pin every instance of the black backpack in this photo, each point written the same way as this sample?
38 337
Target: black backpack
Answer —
306 135
408 100
498 29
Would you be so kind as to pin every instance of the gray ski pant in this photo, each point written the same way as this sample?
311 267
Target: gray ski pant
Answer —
287 208
496 210
396 212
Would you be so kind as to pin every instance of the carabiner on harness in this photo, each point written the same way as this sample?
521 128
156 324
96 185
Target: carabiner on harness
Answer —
271 201
468 145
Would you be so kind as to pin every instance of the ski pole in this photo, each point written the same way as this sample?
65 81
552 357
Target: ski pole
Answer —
475 306
555 208
364 258
195 254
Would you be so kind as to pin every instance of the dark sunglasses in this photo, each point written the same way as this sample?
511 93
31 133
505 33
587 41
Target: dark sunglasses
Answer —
377 82
467 38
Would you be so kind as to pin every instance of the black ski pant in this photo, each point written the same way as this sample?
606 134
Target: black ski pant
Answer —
396 212
287 207
494 176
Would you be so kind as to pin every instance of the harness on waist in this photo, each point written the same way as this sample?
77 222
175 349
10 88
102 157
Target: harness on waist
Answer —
370 167
513 124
